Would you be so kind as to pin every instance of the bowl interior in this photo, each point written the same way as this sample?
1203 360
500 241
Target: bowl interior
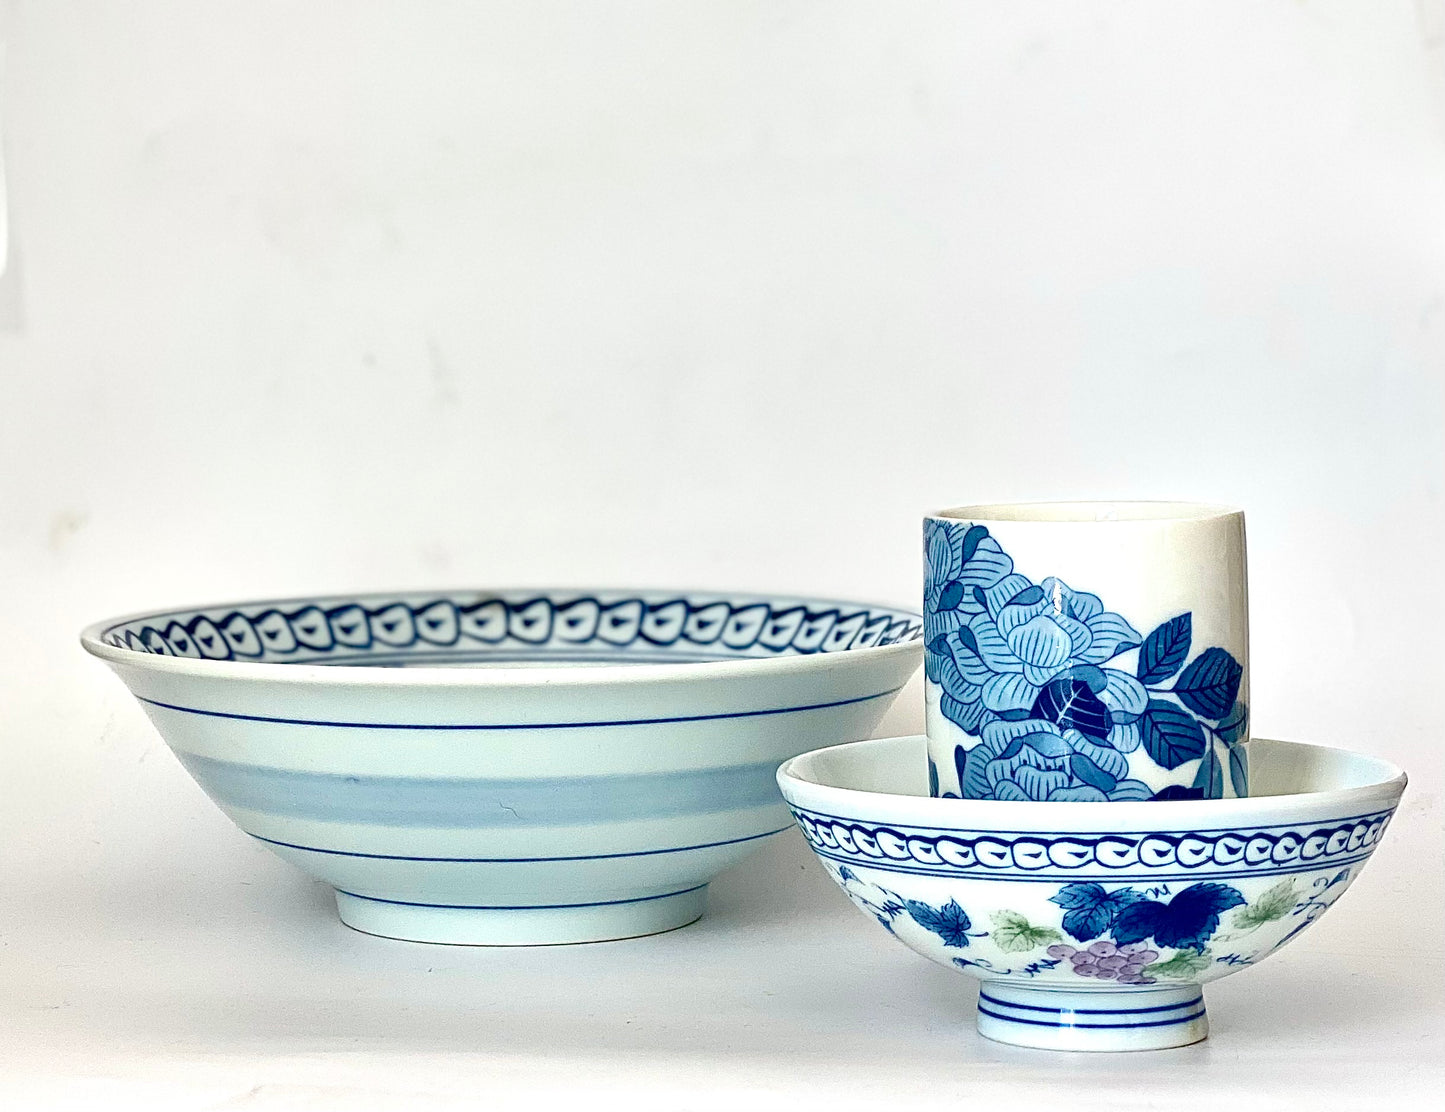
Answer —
898 766
510 628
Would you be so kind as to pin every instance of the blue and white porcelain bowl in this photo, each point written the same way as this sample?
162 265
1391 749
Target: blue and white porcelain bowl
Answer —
512 767
1092 927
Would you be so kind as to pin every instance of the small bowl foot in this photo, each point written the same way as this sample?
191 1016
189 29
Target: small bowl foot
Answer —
485 925
1058 1019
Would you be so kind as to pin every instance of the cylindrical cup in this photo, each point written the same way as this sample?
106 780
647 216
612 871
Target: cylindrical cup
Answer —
1086 651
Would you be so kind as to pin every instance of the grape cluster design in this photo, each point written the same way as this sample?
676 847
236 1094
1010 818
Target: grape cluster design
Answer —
1106 961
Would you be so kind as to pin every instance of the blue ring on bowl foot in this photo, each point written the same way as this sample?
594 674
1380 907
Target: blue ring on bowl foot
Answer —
521 924
1053 1019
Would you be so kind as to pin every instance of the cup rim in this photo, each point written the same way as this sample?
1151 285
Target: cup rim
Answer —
1089 512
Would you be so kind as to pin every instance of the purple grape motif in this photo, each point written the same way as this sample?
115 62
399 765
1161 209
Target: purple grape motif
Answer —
1105 961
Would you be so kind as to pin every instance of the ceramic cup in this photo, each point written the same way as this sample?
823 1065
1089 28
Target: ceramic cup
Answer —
1086 651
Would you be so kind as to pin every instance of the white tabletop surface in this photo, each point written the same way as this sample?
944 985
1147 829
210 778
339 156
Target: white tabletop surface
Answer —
152 956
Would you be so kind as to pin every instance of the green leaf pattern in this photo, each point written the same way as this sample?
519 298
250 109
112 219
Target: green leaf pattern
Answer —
1183 966
1273 904
1013 933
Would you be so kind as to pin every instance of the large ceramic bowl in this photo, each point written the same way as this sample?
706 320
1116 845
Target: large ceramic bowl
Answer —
1093 926
514 767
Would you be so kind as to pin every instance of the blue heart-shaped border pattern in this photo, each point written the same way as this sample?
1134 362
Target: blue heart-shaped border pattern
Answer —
456 629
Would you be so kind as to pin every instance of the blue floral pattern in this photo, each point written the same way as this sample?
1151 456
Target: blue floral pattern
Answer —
1115 935
1032 671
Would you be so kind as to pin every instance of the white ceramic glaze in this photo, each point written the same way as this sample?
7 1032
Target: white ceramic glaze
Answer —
1087 651
1053 905
515 767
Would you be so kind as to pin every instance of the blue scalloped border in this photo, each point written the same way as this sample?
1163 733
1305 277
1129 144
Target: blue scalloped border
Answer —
458 630
1022 855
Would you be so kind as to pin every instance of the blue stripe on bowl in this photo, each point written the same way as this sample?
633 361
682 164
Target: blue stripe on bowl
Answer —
492 803
522 860
524 907
513 725
1091 1026
1092 1011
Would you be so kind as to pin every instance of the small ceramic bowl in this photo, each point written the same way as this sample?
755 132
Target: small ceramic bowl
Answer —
516 767
1092 927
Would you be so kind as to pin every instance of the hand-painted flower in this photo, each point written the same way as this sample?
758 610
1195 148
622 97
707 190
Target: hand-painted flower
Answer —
957 560
1034 759
995 641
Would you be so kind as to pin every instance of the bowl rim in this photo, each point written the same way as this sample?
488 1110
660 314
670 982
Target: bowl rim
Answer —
1069 815
539 676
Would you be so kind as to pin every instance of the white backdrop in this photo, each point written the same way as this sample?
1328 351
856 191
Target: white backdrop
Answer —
327 296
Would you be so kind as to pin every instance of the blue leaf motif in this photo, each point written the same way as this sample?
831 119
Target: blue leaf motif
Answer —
951 595
1073 896
960 766
1091 910
1233 726
1239 771
1209 685
1210 777
1163 651
1070 704
1177 791
1186 922
971 540
948 922
1171 736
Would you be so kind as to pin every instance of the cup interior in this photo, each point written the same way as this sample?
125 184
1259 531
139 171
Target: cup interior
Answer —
1088 512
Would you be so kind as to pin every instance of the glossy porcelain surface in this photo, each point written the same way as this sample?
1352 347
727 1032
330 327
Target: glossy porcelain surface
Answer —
510 767
1087 651
1092 927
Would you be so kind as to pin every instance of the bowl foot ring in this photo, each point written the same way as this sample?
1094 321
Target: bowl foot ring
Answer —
468 924
1063 1019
